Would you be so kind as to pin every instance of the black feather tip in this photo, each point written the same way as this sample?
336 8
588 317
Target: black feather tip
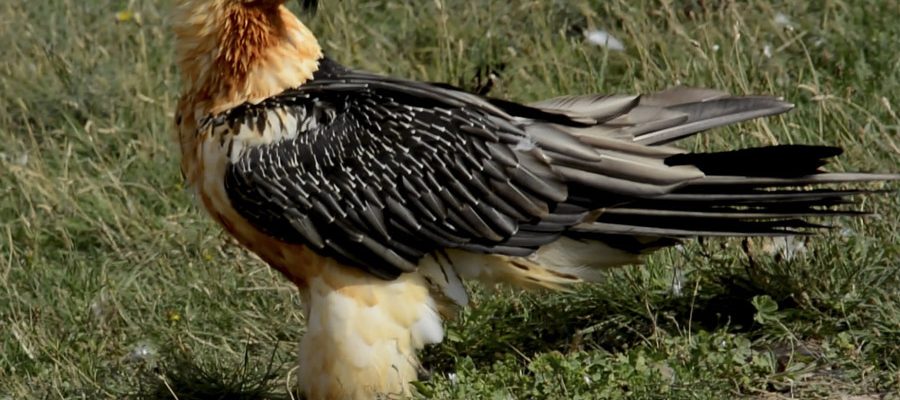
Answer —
784 161
309 6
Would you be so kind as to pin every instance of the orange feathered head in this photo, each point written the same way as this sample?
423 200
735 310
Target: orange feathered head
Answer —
242 50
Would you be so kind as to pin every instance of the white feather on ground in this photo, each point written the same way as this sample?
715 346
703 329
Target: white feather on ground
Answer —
604 39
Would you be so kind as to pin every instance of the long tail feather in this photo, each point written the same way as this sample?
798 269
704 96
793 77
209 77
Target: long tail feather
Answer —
643 188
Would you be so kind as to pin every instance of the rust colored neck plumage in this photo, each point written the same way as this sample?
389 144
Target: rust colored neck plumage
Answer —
235 51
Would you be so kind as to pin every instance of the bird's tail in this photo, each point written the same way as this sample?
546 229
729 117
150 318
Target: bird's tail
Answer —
647 194
654 190
768 191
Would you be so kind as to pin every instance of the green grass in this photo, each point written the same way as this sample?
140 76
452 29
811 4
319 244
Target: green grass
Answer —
113 284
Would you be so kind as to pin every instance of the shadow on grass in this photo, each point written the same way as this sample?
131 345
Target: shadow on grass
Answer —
598 317
182 376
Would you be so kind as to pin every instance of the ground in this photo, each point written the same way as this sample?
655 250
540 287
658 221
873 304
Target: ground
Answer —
113 284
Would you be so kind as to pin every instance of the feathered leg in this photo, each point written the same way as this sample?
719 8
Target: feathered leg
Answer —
363 333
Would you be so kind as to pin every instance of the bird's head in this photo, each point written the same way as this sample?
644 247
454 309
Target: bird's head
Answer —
305 4
242 50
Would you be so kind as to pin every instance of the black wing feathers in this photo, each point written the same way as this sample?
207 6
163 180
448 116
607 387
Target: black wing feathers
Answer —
391 170
785 161
381 171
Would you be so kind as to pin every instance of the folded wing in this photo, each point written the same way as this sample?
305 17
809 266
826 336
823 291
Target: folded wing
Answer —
378 172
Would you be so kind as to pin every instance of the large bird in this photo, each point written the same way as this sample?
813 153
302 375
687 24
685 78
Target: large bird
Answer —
377 196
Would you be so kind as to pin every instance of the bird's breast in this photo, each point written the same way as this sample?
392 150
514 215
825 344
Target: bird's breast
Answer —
297 262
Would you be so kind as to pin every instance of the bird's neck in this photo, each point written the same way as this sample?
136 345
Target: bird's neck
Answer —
231 53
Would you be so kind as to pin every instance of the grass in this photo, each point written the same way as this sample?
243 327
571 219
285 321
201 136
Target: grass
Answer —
113 285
